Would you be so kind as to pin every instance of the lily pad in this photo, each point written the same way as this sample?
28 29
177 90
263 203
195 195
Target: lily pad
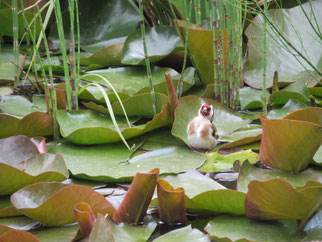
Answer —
40 168
21 223
42 202
289 144
243 142
233 228
226 120
242 134
33 124
6 208
62 234
109 163
217 162
292 23
205 196
184 234
249 173
131 105
317 158
100 21
288 108
250 98
18 235
4 91
277 199
88 127
160 41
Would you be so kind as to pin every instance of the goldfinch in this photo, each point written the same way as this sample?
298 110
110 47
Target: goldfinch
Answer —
202 133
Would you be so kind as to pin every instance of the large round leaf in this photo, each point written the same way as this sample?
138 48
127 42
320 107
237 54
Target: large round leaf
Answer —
233 228
89 127
109 163
294 26
250 98
226 120
43 202
184 234
160 41
7 68
40 168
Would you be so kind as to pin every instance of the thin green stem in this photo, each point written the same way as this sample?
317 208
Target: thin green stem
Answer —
78 54
15 42
264 61
147 61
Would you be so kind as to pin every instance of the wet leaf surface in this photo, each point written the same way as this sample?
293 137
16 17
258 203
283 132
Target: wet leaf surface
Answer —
288 108
184 234
218 162
18 235
250 98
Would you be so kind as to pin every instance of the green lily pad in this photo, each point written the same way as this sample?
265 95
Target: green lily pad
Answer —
130 105
205 196
18 105
160 41
7 68
109 163
184 234
296 91
243 142
317 158
40 168
250 98
292 23
233 228
129 79
126 232
4 91
22 223
249 173
88 127
6 208
62 234
276 149
42 202
238 135
33 124
217 162
288 108
100 21
277 199
226 120
159 139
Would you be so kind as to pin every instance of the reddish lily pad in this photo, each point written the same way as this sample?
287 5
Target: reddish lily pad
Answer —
33 124
277 199
39 168
42 202
225 120
172 206
6 208
86 127
18 235
85 218
135 204
290 144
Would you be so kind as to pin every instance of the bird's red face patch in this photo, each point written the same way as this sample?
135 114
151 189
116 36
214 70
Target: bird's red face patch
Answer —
205 110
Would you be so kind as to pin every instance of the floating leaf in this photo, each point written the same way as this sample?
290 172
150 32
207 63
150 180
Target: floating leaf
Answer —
226 120
21 223
233 228
40 168
277 199
160 41
62 234
184 234
42 202
172 206
18 235
6 208
102 230
33 124
241 135
288 108
249 173
250 98
88 127
317 158
137 199
205 196
85 218
218 162
131 107
293 25
109 163
289 144
243 142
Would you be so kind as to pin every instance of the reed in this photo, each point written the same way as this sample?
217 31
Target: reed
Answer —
15 43
215 49
71 8
77 54
147 61
264 95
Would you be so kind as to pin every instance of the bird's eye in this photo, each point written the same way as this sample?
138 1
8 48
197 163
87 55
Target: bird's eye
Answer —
208 109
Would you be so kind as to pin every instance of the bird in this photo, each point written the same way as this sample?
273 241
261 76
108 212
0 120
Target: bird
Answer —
202 133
